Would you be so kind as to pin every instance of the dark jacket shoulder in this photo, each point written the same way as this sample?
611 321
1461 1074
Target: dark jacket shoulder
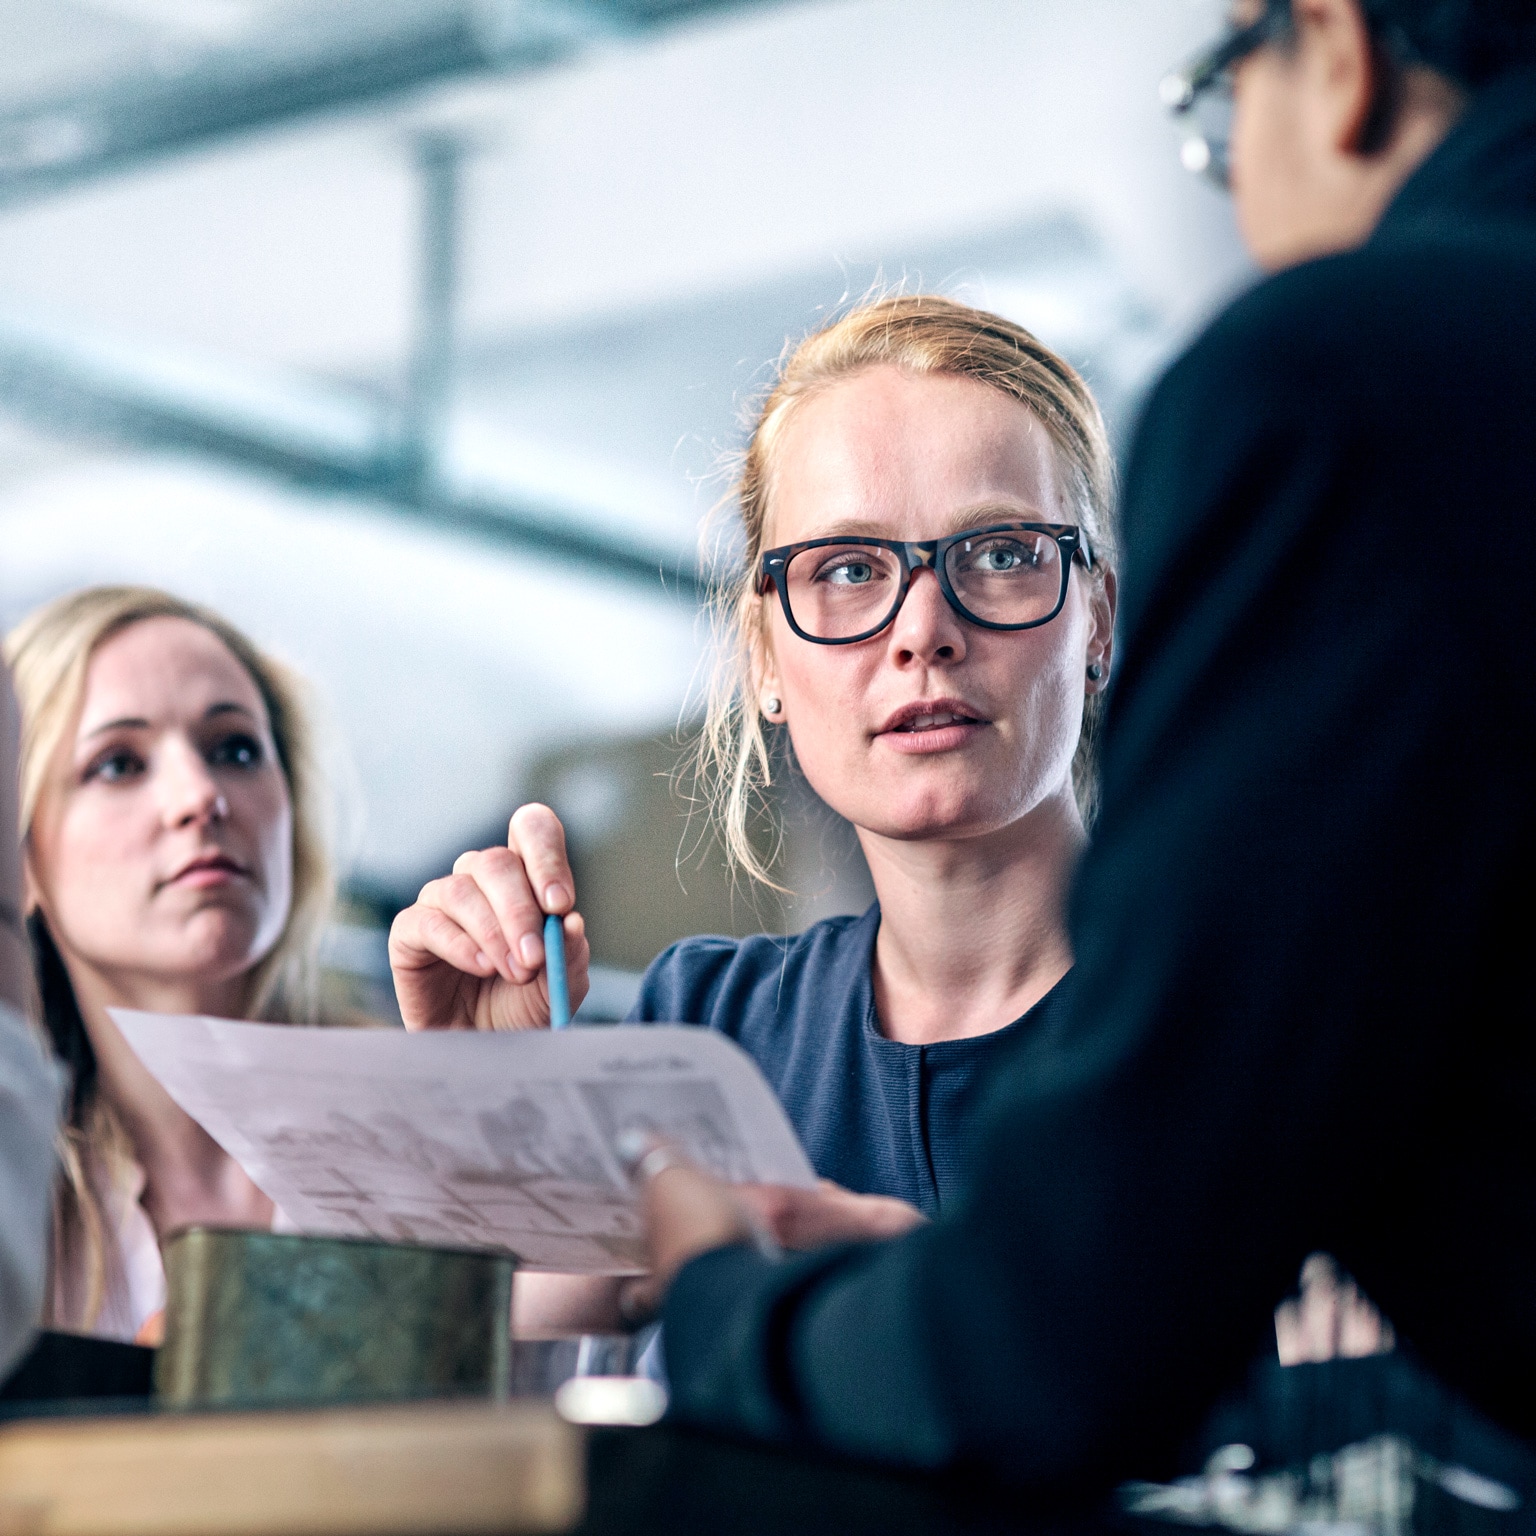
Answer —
1315 316
1344 395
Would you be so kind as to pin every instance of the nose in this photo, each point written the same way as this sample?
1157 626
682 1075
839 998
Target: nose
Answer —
926 629
189 794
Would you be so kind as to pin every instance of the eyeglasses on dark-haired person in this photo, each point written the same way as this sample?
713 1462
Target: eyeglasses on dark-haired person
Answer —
841 590
1201 92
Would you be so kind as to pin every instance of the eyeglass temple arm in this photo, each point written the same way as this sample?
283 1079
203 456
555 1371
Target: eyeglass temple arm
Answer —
1181 89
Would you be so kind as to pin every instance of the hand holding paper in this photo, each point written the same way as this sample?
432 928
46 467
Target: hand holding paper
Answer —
695 1212
470 1140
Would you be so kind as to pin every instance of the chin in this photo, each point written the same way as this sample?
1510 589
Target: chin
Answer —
947 811
942 804
220 944
932 823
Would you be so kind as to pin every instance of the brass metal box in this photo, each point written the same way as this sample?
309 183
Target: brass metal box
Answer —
265 1318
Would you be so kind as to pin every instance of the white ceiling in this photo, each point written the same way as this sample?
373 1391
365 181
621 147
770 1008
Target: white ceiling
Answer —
644 226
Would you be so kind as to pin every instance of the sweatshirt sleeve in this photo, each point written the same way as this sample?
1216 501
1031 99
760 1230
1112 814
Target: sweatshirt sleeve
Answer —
29 1108
681 983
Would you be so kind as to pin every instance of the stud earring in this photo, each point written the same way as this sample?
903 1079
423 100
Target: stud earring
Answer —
772 704
1095 672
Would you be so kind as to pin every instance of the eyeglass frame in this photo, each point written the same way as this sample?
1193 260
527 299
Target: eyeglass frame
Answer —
924 554
1182 90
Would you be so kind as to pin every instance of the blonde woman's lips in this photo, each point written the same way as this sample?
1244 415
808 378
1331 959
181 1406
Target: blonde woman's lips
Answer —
208 870
932 725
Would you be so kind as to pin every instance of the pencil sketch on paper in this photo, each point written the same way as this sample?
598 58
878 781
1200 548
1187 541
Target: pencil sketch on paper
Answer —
502 1142
518 1175
691 1113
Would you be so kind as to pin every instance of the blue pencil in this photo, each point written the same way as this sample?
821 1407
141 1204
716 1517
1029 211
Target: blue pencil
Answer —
554 964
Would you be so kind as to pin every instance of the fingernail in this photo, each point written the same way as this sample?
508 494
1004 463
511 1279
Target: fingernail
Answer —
555 895
481 958
632 1144
531 948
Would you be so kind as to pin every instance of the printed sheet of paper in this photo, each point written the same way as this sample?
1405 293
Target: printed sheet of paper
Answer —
498 1141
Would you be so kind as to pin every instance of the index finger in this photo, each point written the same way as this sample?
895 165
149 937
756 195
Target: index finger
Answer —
537 837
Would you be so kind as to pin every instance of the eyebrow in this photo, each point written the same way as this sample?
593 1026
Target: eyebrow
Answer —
137 723
989 512
982 515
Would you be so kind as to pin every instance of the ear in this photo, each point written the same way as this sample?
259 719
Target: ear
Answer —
31 891
763 669
1101 641
1343 71
31 894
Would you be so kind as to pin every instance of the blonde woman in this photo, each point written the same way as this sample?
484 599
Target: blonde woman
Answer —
175 859
924 617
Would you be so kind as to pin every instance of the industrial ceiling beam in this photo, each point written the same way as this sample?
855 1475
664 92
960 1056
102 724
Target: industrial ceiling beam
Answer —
48 145
306 432
315 435
428 399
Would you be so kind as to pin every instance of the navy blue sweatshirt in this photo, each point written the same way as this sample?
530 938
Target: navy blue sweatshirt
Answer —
878 1116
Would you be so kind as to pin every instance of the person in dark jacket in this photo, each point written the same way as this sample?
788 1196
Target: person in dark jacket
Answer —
1300 1018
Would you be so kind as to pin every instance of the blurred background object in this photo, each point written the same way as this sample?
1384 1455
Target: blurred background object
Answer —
411 334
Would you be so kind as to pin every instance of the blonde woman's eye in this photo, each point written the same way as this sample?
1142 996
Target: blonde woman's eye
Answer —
237 752
849 570
1001 558
114 767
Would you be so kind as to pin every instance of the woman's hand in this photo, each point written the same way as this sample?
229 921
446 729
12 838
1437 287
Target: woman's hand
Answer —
813 1218
470 953
687 1212
1329 1319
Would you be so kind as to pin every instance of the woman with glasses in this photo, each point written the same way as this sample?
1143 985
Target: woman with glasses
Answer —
924 620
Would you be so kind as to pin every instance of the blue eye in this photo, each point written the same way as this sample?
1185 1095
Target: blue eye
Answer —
999 557
847 565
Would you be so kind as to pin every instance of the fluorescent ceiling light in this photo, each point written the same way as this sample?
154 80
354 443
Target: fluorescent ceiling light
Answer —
214 21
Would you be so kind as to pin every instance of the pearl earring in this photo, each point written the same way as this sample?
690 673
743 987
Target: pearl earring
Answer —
1095 672
771 705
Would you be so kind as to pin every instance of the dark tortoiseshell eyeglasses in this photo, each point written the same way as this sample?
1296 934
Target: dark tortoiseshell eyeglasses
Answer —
1007 576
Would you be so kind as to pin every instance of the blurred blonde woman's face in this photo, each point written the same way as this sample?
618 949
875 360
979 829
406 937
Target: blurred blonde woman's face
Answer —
935 727
162 845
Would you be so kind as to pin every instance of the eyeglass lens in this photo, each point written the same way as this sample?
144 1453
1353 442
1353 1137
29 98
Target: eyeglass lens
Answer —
1206 150
1203 90
837 591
